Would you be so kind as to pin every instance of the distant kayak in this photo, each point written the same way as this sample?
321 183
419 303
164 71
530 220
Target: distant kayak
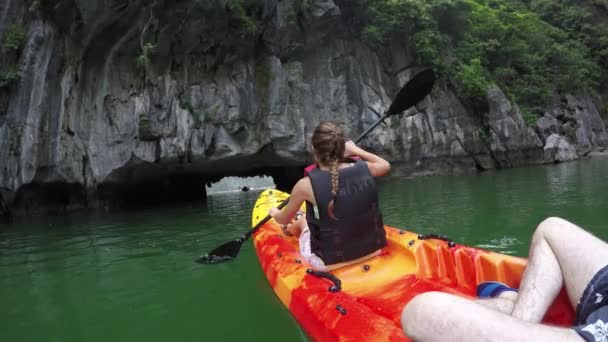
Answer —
365 303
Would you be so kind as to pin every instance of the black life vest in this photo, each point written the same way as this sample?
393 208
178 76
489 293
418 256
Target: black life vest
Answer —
359 228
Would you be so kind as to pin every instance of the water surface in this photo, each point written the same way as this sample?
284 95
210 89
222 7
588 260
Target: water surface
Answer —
130 276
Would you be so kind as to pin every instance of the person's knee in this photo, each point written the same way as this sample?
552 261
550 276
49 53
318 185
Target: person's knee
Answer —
550 227
418 314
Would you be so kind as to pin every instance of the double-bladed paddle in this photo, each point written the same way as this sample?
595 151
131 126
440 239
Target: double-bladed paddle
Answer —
410 94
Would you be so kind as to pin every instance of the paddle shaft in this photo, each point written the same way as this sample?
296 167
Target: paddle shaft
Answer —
264 220
371 128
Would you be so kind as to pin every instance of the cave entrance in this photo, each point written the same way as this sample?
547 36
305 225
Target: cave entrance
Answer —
136 191
280 178
147 185
238 184
150 186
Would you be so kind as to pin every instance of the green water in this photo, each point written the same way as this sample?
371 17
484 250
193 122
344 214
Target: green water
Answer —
130 276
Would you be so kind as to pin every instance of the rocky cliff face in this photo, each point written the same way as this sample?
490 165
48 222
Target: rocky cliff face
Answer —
84 126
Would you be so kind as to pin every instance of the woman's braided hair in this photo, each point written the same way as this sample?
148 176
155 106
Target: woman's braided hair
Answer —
328 142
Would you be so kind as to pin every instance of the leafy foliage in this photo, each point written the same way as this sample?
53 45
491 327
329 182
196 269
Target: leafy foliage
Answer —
529 118
14 38
472 80
143 61
532 49
8 76
242 13
12 44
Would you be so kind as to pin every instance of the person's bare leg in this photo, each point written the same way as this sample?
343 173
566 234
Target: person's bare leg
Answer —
559 250
504 306
436 316
503 303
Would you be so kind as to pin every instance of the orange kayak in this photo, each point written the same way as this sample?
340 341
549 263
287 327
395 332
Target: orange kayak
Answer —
374 292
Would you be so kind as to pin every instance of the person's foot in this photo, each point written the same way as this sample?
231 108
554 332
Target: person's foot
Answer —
492 289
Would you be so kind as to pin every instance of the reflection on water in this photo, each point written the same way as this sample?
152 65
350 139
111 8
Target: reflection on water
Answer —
131 276
506 245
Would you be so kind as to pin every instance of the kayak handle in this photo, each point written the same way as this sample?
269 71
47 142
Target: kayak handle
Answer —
337 283
450 242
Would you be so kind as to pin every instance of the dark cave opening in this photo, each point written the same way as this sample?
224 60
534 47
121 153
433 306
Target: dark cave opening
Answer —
127 191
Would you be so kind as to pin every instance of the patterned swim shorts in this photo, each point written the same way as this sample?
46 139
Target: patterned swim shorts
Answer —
592 310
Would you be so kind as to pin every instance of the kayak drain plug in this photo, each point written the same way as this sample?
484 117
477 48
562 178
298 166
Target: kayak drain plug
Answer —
341 309
366 267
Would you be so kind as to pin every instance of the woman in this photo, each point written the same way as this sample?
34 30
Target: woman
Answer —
343 222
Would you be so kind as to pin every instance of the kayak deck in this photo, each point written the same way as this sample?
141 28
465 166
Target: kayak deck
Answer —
375 291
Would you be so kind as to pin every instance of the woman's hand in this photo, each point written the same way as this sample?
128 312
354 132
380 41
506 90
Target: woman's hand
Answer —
377 165
350 149
273 212
286 232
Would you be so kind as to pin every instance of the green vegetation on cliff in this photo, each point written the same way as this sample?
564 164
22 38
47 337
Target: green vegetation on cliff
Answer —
12 43
532 49
14 38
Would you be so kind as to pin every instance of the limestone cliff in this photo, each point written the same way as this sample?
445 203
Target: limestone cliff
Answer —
90 123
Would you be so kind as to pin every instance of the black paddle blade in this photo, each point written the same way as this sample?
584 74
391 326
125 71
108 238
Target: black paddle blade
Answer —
413 92
223 253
